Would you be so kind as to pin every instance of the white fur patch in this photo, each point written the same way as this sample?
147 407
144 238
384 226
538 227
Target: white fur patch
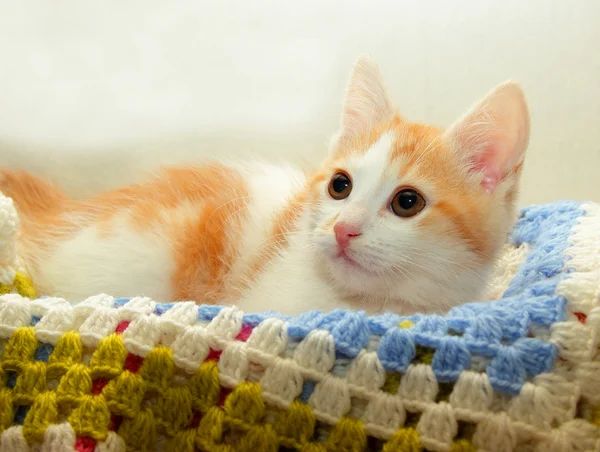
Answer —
270 188
368 169
122 264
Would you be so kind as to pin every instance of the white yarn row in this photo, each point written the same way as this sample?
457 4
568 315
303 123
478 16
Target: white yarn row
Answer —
583 288
510 260
58 438
578 342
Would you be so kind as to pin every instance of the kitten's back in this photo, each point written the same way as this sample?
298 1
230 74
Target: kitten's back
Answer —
177 236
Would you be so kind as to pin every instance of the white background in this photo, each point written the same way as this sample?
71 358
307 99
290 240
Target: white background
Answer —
92 92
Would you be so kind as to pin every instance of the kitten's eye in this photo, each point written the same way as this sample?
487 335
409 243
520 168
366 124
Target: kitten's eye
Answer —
407 203
340 186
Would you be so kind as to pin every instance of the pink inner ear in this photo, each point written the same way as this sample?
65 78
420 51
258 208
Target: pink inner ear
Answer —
487 163
494 135
489 183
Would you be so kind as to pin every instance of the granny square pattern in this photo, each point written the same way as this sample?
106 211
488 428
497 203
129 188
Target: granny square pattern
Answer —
520 371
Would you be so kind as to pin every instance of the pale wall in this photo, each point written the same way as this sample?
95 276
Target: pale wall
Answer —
90 94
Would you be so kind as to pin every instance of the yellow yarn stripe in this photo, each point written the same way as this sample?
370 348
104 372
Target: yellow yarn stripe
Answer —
392 383
172 408
295 426
463 445
22 285
20 349
404 440
423 355
6 409
596 416
406 324
42 414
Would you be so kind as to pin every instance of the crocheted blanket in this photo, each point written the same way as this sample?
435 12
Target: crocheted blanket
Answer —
518 373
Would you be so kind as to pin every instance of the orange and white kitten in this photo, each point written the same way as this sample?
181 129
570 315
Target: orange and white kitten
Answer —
400 217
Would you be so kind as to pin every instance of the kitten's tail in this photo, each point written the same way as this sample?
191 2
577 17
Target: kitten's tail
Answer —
32 196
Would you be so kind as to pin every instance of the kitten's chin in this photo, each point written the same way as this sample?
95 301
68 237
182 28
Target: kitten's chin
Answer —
380 291
354 277
347 261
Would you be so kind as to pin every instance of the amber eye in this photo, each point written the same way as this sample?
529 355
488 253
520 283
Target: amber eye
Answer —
407 203
340 186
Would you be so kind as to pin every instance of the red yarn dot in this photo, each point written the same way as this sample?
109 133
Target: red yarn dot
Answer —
214 355
115 422
196 420
133 363
122 326
581 316
85 444
244 333
98 385
223 395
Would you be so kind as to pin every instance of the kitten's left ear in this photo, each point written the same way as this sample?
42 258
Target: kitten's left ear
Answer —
366 102
493 136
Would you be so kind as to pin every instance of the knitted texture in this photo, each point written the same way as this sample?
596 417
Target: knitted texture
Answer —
518 373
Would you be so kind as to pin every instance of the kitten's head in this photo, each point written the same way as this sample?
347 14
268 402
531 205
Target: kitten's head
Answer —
409 216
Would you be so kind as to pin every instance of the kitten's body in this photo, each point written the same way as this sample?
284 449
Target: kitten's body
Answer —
262 236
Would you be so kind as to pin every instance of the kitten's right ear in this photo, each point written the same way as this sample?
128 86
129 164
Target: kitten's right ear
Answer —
493 136
366 102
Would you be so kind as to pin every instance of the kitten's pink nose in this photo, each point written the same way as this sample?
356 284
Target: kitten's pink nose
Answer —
344 232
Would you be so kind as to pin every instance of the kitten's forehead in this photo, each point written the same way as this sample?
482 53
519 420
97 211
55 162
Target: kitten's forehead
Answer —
398 153
378 155
371 168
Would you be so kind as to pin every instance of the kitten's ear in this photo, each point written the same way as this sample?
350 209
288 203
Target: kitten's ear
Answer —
366 102
493 136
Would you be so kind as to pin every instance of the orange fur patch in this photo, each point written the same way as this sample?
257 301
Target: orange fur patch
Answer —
38 203
283 224
31 195
207 245
199 209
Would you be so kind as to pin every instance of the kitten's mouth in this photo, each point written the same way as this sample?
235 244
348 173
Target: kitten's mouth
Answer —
343 255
